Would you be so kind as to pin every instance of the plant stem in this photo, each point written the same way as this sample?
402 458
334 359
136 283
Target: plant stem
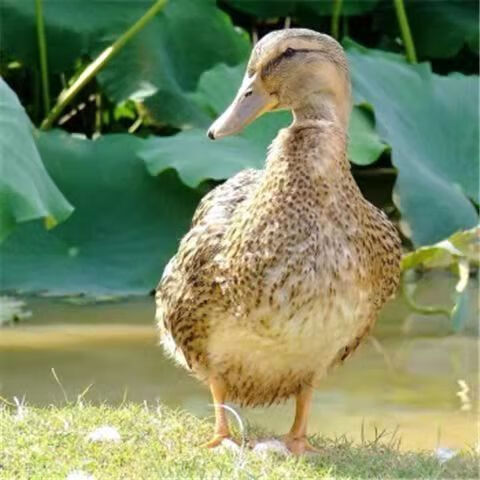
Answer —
337 10
137 123
42 50
98 113
405 31
423 309
91 70
36 113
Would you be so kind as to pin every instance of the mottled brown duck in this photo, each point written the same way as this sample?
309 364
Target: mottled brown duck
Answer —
284 270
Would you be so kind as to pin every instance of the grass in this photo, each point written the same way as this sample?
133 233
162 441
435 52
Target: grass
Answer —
160 443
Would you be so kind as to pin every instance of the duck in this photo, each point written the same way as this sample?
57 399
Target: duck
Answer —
284 270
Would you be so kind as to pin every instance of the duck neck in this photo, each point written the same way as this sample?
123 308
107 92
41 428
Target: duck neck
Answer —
311 151
313 148
323 106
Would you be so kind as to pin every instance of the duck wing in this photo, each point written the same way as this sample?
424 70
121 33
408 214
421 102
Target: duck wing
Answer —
220 203
187 292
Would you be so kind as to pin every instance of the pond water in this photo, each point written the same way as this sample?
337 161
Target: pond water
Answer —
412 377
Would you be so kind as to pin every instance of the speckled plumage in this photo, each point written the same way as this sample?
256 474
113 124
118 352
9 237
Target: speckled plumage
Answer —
283 272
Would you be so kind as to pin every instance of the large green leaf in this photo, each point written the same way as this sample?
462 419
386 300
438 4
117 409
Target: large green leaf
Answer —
160 64
299 8
365 145
73 28
26 190
196 158
165 61
431 123
125 227
439 28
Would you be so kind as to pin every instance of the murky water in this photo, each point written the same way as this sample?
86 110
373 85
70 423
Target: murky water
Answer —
411 377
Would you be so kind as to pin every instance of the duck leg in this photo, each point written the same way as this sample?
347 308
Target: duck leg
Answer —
296 439
222 430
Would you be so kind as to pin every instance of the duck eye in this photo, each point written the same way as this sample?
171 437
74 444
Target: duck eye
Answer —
289 52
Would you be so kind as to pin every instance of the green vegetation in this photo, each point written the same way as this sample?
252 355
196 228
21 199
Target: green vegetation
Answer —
110 149
155 442
459 253
27 192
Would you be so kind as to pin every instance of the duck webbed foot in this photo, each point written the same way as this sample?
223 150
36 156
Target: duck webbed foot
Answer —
217 440
222 429
299 446
296 440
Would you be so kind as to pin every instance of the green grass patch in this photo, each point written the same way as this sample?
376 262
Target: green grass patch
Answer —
159 443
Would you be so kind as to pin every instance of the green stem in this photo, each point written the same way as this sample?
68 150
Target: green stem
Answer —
423 309
36 114
68 95
337 10
136 124
405 31
42 50
98 113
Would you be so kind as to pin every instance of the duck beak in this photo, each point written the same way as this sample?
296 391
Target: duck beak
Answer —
252 100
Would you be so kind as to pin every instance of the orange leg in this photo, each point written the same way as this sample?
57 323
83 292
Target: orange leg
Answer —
222 430
296 439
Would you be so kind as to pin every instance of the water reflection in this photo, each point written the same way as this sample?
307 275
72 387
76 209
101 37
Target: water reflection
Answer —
407 377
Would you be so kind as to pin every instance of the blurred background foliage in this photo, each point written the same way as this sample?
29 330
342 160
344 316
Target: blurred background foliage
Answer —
104 107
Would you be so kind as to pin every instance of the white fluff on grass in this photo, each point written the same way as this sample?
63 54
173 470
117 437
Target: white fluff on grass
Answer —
79 475
21 409
271 446
104 434
444 454
230 445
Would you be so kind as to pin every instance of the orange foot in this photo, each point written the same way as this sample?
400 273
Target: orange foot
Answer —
299 446
217 441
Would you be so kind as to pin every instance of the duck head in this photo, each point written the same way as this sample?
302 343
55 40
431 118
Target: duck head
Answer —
295 69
